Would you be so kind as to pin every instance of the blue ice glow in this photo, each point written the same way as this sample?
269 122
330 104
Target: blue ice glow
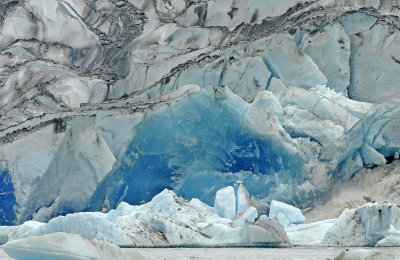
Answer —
197 146
7 199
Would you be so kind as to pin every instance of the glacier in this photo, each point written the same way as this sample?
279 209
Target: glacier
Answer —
106 103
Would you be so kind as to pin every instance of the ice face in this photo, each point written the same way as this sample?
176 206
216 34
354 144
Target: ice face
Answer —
222 140
286 214
369 82
364 226
116 101
330 50
369 225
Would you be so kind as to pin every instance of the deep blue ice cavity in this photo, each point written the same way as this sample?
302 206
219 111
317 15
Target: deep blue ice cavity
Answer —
7 199
195 146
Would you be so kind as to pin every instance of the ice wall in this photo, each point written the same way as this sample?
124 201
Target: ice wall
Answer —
137 96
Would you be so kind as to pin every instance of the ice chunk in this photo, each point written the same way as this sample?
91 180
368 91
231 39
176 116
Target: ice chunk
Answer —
277 87
310 234
374 77
248 215
364 254
63 246
225 202
294 67
371 157
330 50
274 230
285 213
246 76
243 199
357 22
392 238
364 225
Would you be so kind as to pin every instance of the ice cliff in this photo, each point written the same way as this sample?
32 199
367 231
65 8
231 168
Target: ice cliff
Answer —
104 102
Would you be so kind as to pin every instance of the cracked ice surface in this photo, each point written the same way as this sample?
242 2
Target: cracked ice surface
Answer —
115 101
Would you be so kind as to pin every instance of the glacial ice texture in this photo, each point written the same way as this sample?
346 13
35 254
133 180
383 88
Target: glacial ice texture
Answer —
64 246
167 220
286 214
103 102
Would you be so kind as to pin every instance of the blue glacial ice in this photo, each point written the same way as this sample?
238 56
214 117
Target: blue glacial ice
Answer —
285 213
287 100
7 199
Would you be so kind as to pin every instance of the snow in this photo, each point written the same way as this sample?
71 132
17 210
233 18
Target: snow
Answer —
64 246
285 213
